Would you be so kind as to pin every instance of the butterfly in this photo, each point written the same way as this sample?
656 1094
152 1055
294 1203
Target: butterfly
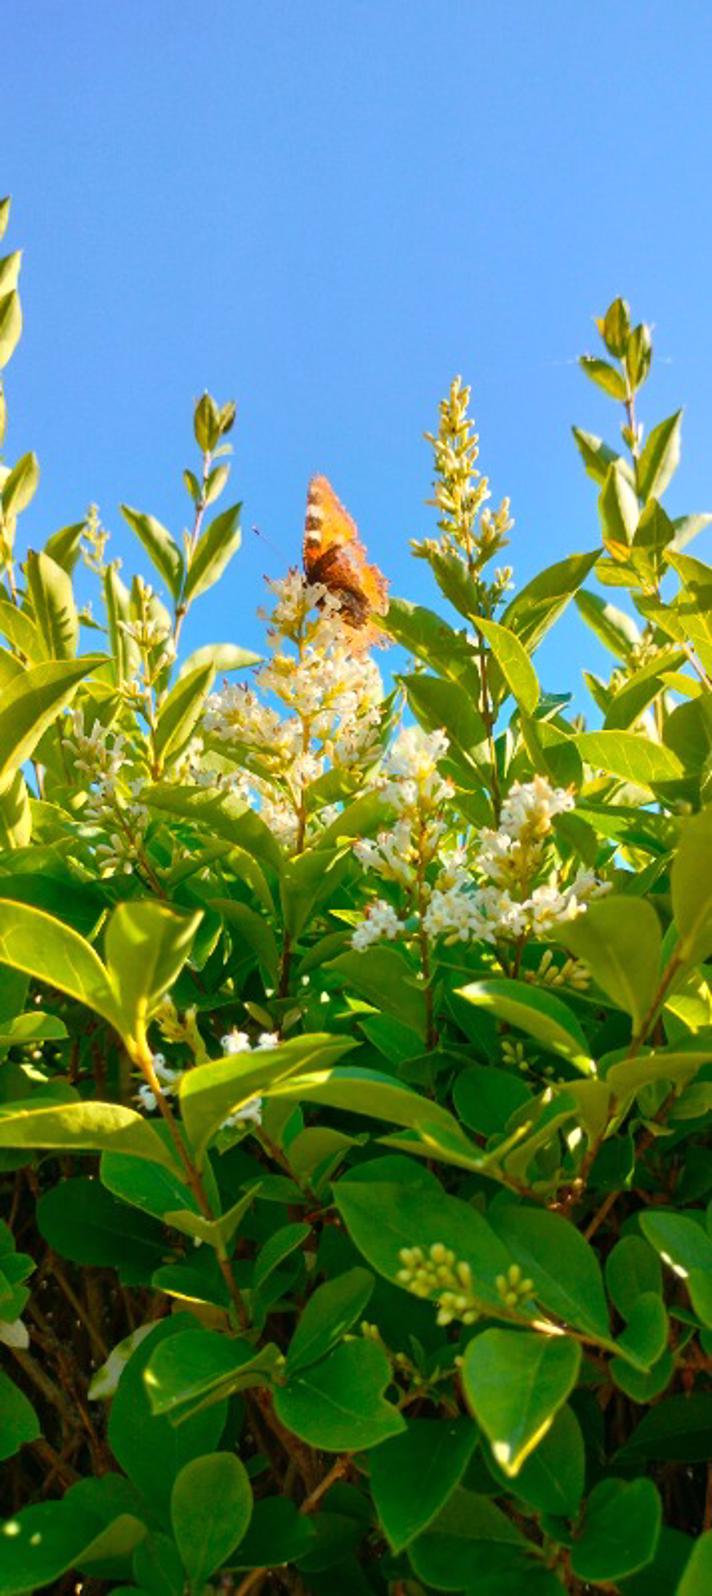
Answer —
335 556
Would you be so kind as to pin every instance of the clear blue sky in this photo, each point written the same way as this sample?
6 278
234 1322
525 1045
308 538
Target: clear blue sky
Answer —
326 208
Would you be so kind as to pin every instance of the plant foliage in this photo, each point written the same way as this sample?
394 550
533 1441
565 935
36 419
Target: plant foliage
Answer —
356 1050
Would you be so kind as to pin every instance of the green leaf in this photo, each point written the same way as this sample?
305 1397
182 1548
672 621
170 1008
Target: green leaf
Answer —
697 1578
44 948
514 663
214 551
83 1222
361 1091
10 325
278 1534
563 1266
18 1420
83 1126
473 1540
53 604
631 757
160 547
40 1544
616 630
211 1507
222 656
20 630
387 1206
604 376
155 1189
645 1337
147 944
538 1013
150 1450
619 511
212 1091
691 883
551 1479
180 712
515 1382
281 1243
194 1370
413 1474
597 456
615 328
252 928
32 1027
308 881
533 611
620 1530
15 813
655 531
682 1243
32 702
218 1233
485 1097
638 355
628 703
221 814
660 458
678 1429
632 1268
5 206
20 485
338 1405
438 645
437 703
383 978
329 1313
620 940
64 546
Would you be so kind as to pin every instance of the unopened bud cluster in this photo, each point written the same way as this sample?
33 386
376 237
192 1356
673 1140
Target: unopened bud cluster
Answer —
438 1274
513 1288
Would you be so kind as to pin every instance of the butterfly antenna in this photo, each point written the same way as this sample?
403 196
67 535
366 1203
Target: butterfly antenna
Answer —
270 544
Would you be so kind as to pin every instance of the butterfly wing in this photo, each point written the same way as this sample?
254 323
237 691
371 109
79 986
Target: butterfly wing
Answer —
335 556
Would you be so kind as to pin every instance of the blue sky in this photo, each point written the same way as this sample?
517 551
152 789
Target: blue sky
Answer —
326 208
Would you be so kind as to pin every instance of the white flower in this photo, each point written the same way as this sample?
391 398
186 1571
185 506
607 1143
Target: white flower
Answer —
415 754
381 921
165 1074
235 1042
147 1098
249 1114
267 1040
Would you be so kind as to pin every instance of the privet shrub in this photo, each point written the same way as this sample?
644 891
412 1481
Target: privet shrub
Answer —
358 1057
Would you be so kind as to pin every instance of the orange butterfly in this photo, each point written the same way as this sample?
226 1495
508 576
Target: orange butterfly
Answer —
335 556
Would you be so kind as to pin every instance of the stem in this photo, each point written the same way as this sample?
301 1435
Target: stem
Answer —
488 716
336 1472
649 1019
182 607
431 1035
143 1057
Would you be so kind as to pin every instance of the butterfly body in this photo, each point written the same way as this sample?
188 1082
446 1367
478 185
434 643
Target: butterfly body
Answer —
335 556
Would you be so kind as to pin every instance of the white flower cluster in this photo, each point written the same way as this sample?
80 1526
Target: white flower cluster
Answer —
498 897
333 702
234 1042
151 632
380 921
112 805
412 785
191 770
